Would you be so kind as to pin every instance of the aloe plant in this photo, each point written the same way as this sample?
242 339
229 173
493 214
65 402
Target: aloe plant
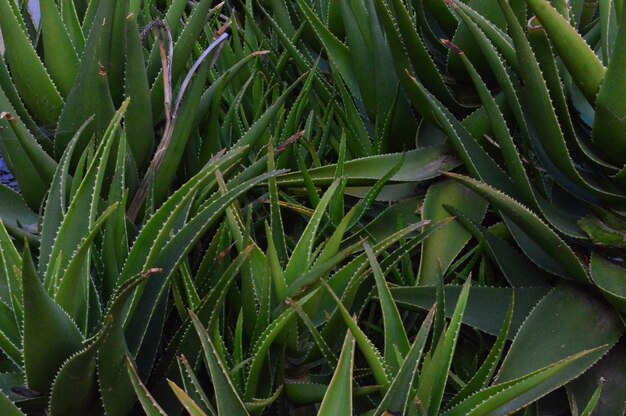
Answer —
313 207
546 171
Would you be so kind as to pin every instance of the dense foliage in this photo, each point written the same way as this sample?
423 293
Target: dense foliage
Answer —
324 207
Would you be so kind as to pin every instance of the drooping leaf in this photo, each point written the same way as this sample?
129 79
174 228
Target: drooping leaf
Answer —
611 279
533 226
418 165
440 249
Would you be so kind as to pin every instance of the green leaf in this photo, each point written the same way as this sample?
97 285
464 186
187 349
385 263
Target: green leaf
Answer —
419 165
228 401
346 281
338 397
533 226
8 87
398 394
59 54
563 324
611 279
277 231
608 124
261 347
564 222
371 195
190 406
506 398
90 94
193 387
582 63
186 342
498 37
45 323
499 126
156 290
10 336
547 134
518 270
416 52
486 308
148 404
32 81
14 212
253 135
328 354
155 232
117 52
440 249
116 388
301 256
139 123
338 52
10 282
31 165
72 293
593 402
483 376
56 204
75 387
372 355
83 208
115 240
396 340
491 13
434 375
302 393
72 23
610 373
8 408
476 159
258 405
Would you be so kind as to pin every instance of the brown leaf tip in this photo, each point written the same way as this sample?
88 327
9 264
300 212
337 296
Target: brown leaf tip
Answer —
287 142
448 44
7 115
451 4
534 24
150 272
102 71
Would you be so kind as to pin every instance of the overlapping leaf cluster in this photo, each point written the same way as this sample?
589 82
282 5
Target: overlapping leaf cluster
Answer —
333 207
